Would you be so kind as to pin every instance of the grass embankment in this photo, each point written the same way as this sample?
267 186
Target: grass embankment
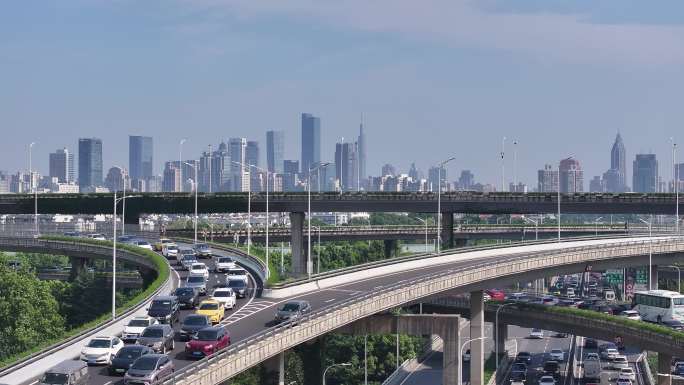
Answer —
162 275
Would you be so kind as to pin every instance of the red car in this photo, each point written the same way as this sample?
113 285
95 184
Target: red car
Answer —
207 342
496 294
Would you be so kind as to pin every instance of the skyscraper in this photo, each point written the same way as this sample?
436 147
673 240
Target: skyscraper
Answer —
172 177
252 158
571 176
437 176
346 166
361 152
547 179
238 167
311 141
290 171
645 173
466 180
62 165
616 177
388 169
140 153
275 150
89 163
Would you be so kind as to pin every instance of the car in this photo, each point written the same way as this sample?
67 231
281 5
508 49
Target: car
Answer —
239 287
609 353
69 372
170 250
225 296
590 343
159 245
187 260
191 324
496 294
631 314
674 324
207 342
164 308
158 337
125 238
592 357
199 268
292 311
678 369
202 250
466 356
149 369
125 358
97 236
197 282
524 357
519 377
183 252
627 374
552 368
620 362
223 264
101 350
517 296
237 273
188 298
212 309
135 326
519 367
561 335
547 380
557 355
549 300
536 333
624 381
143 245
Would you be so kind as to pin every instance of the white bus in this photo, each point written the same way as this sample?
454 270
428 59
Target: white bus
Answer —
659 305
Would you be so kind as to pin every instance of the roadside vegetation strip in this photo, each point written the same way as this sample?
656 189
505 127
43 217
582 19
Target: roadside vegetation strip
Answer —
162 276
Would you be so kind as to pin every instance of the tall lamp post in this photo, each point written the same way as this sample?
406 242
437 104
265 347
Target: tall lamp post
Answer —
180 161
596 222
439 202
309 268
496 332
194 185
333 366
122 171
536 227
650 255
34 190
268 270
249 206
679 277
426 233
116 200
460 355
503 165
676 183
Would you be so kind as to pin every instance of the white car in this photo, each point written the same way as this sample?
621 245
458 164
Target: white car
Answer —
98 237
223 264
631 314
237 273
623 381
143 245
199 268
557 355
610 353
225 296
536 333
547 380
101 350
627 374
170 250
620 362
135 326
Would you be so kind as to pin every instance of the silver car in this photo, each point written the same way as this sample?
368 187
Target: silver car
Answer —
292 311
149 369
197 282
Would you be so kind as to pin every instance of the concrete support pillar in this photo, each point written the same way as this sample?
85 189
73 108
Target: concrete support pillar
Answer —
281 368
502 336
460 242
77 267
390 247
450 359
664 369
477 331
653 283
297 244
275 366
447 230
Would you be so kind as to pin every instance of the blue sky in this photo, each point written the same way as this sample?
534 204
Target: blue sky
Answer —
433 79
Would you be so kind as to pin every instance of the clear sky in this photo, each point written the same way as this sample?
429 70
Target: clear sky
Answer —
433 78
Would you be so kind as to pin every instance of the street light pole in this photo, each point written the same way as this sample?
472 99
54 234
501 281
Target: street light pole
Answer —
650 255
309 268
332 366
679 277
536 227
268 270
503 165
426 233
439 202
34 189
180 162
596 222
116 200
515 165
194 184
559 201
122 171
459 358
496 333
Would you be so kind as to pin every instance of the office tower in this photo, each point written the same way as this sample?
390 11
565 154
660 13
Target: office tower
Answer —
252 158
171 181
205 170
311 142
645 173
388 169
346 166
597 184
140 157
62 165
466 180
220 169
547 179
435 176
114 180
571 176
238 167
413 172
290 171
89 163
275 150
615 179
361 152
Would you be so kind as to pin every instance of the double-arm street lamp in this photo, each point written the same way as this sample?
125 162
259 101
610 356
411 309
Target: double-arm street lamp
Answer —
334 366
460 350
426 233
536 226
116 200
122 172
650 255
194 184
309 268
439 203
249 207
596 222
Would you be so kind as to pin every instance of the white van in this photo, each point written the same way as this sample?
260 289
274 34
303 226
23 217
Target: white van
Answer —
609 295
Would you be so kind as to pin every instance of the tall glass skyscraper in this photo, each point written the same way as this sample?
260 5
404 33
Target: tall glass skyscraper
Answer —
616 177
62 165
275 150
645 173
362 153
311 142
140 159
89 162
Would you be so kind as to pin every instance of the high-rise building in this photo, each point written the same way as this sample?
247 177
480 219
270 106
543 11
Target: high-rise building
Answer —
466 180
114 180
62 165
205 171
311 141
615 179
571 176
413 172
140 157
597 184
171 181
645 173
238 167
437 176
290 171
346 168
220 169
275 150
361 153
547 179
89 163
388 169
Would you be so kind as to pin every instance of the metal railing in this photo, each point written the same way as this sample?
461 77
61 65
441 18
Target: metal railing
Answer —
265 344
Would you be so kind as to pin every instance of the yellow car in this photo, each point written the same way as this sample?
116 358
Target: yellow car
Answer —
212 309
159 245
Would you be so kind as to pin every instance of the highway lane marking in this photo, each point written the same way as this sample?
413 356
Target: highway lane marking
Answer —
330 300
107 383
34 382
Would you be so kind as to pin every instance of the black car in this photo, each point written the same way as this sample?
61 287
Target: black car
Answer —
125 357
191 324
164 308
239 287
188 298
518 376
552 368
590 343
524 357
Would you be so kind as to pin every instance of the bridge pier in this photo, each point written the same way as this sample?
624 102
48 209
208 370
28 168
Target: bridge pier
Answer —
77 267
446 326
477 335
390 247
664 369
447 230
297 244
460 242
501 337
653 279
